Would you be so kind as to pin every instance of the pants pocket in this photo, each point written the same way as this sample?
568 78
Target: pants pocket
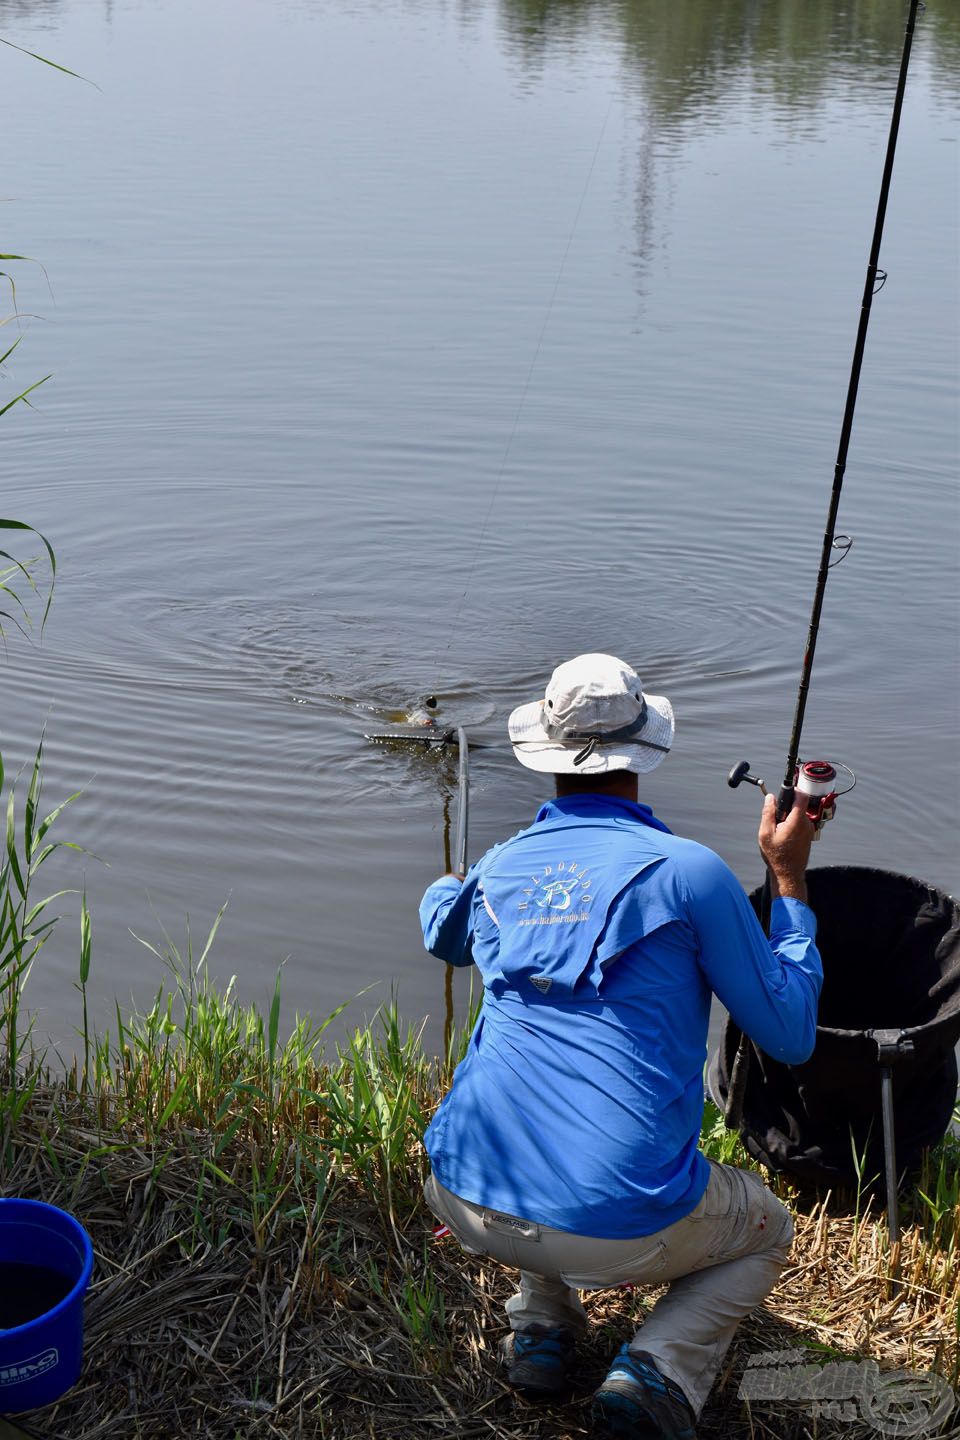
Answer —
725 1211
738 1215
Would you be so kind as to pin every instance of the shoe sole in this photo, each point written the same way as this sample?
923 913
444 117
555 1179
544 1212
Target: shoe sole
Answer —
616 1414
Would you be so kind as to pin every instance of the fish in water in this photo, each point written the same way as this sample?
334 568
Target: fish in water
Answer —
419 724
422 712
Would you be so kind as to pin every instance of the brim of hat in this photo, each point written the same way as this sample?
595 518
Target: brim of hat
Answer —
533 747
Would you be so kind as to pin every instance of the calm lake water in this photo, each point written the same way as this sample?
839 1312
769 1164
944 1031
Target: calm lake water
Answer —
417 345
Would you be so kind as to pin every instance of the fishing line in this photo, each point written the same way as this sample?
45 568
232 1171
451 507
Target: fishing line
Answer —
817 780
526 385
873 283
835 548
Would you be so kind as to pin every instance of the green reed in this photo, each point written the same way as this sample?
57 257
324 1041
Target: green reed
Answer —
20 575
273 1114
717 1142
937 1194
26 923
421 1308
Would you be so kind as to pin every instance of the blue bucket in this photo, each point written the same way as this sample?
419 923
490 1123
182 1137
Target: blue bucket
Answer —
46 1260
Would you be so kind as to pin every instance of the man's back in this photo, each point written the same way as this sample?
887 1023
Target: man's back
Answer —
599 936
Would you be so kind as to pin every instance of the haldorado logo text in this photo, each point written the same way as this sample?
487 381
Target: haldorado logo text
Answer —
557 894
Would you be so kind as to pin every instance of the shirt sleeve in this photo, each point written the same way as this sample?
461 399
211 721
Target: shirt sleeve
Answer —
770 987
446 918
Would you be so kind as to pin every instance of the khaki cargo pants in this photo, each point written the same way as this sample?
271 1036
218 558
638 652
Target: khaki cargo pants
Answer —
718 1262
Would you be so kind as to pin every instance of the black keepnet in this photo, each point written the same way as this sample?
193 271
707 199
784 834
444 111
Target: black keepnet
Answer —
891 959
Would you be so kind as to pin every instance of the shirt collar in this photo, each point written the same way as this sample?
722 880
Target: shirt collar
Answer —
610 806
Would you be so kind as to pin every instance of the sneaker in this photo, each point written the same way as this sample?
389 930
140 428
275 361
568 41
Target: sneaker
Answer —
636 1402
537 1358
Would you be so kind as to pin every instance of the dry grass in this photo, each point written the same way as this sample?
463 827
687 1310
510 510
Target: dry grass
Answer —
339 1316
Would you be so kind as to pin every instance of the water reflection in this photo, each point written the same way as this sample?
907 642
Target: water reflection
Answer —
687 56
684 63
16 12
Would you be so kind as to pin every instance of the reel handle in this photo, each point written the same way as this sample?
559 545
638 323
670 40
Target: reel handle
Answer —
816 781
740 773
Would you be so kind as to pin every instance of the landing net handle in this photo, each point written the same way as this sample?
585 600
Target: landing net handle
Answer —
875 279
463 801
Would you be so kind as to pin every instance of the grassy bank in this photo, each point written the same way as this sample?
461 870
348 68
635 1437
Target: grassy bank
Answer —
265 1265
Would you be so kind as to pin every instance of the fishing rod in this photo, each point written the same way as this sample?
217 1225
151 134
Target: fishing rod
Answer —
819 780
816 778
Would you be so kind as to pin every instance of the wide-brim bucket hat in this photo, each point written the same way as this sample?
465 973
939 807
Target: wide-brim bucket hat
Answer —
595 717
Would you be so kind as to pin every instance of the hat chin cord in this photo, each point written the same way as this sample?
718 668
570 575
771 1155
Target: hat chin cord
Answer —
594 740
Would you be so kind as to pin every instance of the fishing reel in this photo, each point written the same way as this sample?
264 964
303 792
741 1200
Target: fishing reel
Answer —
818 781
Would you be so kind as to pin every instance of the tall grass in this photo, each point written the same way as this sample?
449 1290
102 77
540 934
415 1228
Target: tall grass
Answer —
19 575
270 1117
26 922
293 1164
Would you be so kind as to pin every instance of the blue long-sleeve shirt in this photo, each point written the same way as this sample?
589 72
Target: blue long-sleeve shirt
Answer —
599 937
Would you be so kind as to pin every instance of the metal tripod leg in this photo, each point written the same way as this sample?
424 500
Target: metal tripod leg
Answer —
890 1152
891 1045
890 1164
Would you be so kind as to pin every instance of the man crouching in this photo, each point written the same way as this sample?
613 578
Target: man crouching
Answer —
567 1146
